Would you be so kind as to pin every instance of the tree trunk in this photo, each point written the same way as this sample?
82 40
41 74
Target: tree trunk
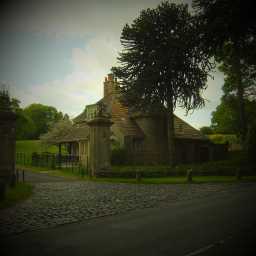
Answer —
240 96
243 123
170 133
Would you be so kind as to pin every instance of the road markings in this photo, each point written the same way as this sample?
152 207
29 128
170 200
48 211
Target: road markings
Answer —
201 250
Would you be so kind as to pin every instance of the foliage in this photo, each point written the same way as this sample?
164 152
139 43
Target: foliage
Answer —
246 71
16 194
32 121
25 126
43 117
162 64
223 138
225 119
225 21
206 130
5 101
228 30
30 146
56 131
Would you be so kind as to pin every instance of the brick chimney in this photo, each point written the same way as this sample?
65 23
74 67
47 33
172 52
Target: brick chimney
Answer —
110 85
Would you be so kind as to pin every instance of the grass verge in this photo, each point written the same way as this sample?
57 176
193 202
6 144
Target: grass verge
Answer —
197 179
16 194
179 180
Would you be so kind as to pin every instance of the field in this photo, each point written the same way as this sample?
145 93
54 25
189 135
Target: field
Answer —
30 146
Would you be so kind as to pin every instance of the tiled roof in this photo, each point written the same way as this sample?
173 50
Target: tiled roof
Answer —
185 131
81 117
121 119
77 133
128 126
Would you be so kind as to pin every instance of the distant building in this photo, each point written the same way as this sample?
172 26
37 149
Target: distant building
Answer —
143 135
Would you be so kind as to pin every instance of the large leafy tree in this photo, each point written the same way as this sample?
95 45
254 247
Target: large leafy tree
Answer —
162 64
225 118
24 125
57 131
43 117
228 32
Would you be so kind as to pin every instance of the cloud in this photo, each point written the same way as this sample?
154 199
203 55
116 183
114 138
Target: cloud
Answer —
202 117
99 24
70 94
82 86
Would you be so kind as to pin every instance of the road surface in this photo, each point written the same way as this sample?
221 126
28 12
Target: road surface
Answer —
221 224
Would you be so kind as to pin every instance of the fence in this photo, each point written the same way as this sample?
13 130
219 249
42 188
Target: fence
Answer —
47 159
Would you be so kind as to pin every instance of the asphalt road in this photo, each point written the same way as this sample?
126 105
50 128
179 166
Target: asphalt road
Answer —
220 225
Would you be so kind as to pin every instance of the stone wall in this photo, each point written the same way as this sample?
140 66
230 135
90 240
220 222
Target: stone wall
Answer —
153 148
99 145
7 147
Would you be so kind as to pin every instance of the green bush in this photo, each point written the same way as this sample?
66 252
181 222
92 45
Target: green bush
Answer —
222 168
223 138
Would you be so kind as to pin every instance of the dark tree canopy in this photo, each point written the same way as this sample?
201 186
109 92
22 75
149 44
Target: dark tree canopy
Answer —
161 60
228 21
228 32
43 117
247 73
162 64
225 119
206 130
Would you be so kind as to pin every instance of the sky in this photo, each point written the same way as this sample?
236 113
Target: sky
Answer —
57 52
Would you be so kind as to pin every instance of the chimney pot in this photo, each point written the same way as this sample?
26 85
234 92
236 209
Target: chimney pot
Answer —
110 77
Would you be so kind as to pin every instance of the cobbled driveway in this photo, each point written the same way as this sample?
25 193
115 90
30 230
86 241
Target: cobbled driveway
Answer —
58 201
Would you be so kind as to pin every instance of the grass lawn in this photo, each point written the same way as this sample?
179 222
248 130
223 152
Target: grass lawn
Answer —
16 194
65 172
30 146
179 180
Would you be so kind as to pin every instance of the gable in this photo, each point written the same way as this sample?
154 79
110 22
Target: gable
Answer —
186 131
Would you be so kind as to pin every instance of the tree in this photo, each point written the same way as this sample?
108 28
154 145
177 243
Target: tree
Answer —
225 118
240 82
24 125
5 101
251 144
162 64
43 117
206 130
230 24
57 131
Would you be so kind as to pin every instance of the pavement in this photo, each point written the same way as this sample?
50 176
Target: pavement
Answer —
130 219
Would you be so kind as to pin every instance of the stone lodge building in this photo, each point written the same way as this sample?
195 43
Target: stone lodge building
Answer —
144 136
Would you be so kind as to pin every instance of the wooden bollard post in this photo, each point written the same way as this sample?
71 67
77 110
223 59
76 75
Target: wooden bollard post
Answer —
189 176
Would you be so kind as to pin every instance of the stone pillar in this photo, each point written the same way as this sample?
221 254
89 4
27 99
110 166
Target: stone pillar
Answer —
99 145
7 147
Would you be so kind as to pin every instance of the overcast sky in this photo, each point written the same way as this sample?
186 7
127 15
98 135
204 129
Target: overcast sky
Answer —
58 52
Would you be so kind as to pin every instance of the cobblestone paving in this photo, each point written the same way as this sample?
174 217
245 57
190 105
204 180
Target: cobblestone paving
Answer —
57 203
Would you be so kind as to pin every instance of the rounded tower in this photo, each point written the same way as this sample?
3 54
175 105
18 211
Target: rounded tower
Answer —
155 144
